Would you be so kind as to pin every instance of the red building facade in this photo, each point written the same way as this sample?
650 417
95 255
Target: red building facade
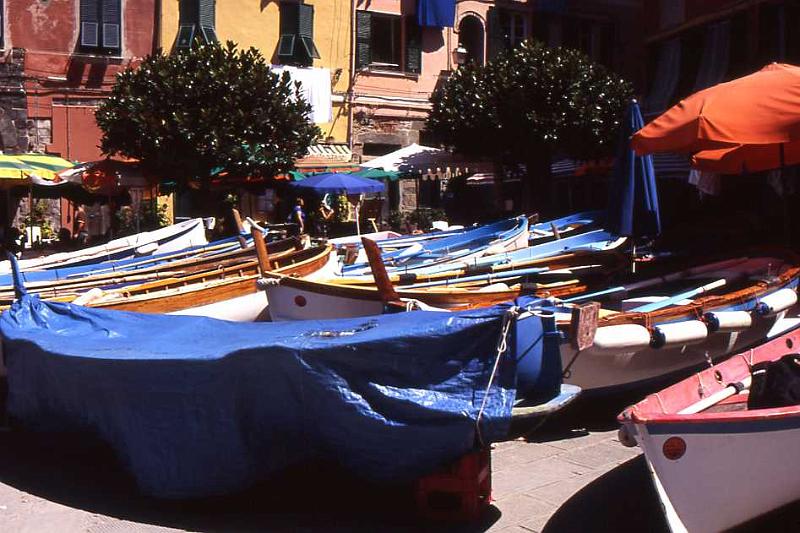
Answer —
65 55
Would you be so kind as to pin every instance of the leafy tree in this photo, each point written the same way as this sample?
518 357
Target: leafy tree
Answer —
192 114
529 104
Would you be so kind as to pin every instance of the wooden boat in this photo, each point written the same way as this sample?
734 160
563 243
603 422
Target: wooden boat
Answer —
501 236
716 463
663 327
302 299
593 243
216 395
229 293
538 232
164 240
108 276
647 331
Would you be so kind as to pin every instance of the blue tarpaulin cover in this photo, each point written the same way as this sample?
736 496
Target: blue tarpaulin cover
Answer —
195 406
436 13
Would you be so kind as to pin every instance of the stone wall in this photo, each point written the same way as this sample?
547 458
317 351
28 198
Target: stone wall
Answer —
13 104
368 129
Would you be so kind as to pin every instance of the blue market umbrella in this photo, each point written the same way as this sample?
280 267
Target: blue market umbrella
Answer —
633 203
339 183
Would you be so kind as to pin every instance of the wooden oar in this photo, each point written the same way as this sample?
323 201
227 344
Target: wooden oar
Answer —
496 276
382 281
727 392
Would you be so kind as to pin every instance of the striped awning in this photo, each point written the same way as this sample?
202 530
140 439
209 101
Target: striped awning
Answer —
328 152
24 169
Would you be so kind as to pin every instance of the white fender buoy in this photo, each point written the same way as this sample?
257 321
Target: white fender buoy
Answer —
778 301
495 287
679 333
728 321
621 338
88 296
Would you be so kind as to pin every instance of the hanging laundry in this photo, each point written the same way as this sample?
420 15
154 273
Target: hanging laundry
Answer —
315 87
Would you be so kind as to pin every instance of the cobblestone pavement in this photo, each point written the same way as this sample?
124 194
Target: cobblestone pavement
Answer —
563 477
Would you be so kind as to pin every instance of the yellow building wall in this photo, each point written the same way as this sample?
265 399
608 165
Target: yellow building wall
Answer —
257 24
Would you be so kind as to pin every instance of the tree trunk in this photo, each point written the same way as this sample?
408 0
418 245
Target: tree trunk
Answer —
537 185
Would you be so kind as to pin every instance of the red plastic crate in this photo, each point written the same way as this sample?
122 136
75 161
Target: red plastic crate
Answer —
458 493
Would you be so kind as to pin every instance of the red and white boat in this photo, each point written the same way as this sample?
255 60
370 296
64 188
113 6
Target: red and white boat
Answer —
714 462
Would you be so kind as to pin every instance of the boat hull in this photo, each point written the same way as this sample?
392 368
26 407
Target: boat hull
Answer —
252 307
731 472
599 372
292 303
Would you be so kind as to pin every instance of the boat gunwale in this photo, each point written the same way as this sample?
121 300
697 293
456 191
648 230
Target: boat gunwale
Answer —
651 410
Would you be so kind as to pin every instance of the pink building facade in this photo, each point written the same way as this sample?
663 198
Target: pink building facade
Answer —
399 64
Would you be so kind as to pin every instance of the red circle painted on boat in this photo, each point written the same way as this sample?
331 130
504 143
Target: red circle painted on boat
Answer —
300 301
674 448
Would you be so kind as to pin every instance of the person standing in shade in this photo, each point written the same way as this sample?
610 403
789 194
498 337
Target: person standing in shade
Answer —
298 216
324 216
80 232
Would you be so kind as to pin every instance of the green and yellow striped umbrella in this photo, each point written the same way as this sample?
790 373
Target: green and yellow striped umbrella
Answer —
45 166
13 168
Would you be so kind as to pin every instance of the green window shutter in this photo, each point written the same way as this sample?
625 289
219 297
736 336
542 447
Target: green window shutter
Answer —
413 46
112 21
189 12
363 38
188 21
305 30
90 23
206 18
185 37
290 20
496 38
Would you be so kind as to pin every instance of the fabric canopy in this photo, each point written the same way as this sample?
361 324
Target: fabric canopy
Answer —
413 155
759 109
107 177
26 169
747 158
12 168
633 204
339 183
44 162
378 174
436 13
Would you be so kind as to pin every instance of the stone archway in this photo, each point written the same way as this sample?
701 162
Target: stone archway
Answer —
471 35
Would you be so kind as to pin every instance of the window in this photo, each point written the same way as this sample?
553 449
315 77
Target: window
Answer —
388 42
507 29
296 45
515 28
196 23
100 29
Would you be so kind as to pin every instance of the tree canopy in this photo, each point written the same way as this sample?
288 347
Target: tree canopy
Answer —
531 101
191 114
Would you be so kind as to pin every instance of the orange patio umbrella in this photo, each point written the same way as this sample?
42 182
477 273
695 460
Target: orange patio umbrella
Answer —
748 124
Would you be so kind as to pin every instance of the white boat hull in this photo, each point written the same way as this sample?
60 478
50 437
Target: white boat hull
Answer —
249 308
289 303
143 244
731 472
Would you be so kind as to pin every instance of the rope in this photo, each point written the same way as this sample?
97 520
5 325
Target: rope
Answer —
502 346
